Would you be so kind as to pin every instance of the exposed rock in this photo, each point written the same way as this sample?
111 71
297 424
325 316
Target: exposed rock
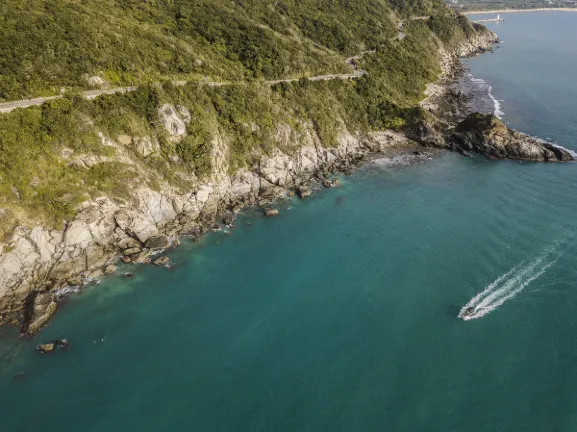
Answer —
96 82
45 348
61 343
76 281
172 120
129 243
128 275
39 309
157 242
487 135
161 261
110 269
142 258
184 113
304 192
132 251
331 183
93 275
271 212
145 146
228 218
124 139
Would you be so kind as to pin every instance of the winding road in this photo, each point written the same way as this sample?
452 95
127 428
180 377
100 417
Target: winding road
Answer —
6 107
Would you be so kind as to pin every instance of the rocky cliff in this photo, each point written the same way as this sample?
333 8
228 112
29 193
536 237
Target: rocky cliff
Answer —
38 265
487 135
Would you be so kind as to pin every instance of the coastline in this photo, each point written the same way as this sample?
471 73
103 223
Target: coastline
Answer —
492 11
44 263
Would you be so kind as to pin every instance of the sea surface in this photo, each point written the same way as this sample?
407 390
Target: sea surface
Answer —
341 313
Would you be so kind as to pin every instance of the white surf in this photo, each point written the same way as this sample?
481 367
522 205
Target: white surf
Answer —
510 284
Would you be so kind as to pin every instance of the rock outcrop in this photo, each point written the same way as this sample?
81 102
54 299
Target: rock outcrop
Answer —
487 135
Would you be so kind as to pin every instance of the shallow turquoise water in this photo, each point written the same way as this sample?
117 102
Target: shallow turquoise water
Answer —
340 314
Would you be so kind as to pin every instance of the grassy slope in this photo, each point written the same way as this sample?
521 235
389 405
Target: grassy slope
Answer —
241 41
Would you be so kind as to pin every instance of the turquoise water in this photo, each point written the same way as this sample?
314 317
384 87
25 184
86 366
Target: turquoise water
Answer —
340 314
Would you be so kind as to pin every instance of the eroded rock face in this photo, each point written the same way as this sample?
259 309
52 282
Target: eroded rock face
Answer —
45 261
157 242
40 309
487 135
174 120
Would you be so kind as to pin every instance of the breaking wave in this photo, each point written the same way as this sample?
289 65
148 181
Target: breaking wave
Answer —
511 283
496 104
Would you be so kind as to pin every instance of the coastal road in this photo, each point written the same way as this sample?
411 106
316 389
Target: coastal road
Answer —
6 107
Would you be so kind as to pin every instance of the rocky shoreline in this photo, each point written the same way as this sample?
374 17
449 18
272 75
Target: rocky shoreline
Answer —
39 266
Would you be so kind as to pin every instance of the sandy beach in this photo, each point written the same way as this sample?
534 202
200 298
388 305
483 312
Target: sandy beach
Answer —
519 10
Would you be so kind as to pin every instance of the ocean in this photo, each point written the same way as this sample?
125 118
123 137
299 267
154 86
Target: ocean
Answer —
341 313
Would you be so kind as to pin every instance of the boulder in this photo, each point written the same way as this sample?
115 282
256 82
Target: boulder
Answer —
271 212
132 251
96 82
304 192
110 269
142 258
128 243
157 242
45 348
161 261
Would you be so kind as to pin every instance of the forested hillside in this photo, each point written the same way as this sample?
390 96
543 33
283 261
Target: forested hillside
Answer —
46 45
54 157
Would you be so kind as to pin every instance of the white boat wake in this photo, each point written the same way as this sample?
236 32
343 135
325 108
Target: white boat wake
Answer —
510 284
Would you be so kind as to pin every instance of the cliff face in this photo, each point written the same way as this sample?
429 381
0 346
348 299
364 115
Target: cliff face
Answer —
45 261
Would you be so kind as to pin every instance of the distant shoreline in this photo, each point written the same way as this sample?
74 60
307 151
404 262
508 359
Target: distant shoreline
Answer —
518 10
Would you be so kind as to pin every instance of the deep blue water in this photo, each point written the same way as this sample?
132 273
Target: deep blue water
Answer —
341 314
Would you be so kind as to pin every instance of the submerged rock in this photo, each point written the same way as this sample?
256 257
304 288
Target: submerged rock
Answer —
51 346
487 135
271 212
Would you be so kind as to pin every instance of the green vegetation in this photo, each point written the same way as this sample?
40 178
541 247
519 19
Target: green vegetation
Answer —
56 156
